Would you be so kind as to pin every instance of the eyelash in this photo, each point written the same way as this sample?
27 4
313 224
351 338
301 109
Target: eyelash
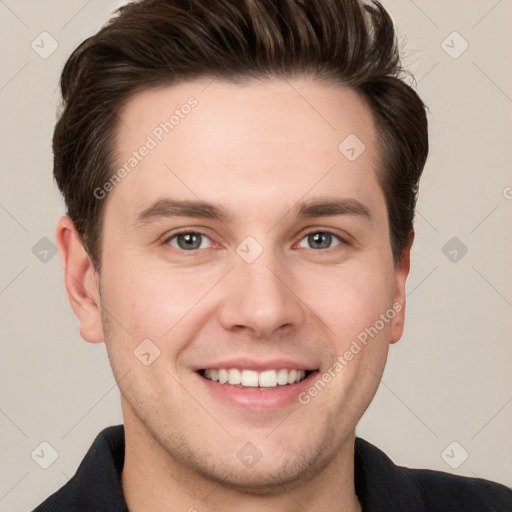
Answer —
342 241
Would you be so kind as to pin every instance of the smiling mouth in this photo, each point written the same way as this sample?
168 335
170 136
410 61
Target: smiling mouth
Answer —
252 379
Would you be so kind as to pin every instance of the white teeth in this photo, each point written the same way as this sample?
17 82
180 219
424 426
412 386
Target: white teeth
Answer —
268 379
282 377
234 376
249 378
254 379
292 375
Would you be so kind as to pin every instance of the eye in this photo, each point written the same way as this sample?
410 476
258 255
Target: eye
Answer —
320 240
189 241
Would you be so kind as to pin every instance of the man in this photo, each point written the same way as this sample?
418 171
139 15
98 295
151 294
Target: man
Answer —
240 179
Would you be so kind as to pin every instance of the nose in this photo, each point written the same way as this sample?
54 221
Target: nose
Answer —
259 298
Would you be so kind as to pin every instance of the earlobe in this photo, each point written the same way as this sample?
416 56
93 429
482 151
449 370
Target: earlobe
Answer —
81 280
401 273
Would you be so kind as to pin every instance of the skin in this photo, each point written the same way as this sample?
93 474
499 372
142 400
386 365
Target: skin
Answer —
257 149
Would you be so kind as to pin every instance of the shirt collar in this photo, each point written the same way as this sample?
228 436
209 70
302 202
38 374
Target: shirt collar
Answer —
380 485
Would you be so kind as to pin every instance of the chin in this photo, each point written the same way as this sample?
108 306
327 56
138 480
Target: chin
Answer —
266 476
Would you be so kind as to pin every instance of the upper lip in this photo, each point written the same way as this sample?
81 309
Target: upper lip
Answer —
257 365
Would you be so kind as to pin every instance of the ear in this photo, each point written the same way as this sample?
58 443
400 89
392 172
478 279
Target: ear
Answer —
81 280
401 272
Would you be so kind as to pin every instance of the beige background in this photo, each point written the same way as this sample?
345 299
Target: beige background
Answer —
447 380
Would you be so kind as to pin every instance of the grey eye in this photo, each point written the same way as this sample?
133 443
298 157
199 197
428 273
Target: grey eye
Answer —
319 240
189 241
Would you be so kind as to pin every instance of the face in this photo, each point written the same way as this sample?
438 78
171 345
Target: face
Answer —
245 244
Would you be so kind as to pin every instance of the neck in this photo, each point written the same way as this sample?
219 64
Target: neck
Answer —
154 480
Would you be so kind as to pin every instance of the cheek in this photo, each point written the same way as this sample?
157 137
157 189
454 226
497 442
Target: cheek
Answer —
350 298
156 302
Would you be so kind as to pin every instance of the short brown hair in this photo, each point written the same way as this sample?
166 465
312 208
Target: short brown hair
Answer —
152 43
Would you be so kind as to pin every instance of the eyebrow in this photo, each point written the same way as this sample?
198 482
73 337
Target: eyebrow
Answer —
164 208
325 207
332 207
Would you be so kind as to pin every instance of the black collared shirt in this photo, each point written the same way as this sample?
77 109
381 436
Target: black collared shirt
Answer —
381 486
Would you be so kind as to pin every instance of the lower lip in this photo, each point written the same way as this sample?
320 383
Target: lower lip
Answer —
260 399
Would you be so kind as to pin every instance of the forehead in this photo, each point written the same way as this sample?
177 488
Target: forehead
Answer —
252 145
